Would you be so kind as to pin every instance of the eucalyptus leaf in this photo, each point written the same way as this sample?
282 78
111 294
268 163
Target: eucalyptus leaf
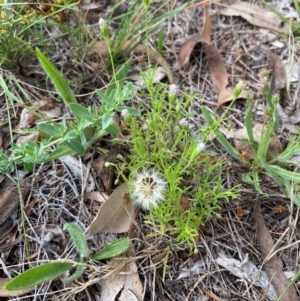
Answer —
38 275
78 239
114 249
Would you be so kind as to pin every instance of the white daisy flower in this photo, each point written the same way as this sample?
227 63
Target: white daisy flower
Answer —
148 188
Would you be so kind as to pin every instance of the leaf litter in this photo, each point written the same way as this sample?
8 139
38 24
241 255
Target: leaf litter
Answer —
63 194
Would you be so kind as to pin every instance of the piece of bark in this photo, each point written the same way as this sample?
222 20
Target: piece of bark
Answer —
274 265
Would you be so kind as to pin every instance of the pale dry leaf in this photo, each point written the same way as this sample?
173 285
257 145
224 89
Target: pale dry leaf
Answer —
6 293
275 147
97 196
156 73
30 114
116 214
217 68
256 15
227 95
80 171
126 284
273 266
248 272
101 49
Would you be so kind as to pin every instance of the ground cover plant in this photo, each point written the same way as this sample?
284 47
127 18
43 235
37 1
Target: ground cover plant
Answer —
147 120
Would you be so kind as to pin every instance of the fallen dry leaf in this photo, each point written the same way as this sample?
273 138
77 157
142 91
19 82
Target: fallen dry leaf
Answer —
125 286
9 238
46 106
273 266
80 171
217 68
278 79
187 48
101 48
116 214
106 174
10 200
6 293
275 147
256 15
227 95
96 196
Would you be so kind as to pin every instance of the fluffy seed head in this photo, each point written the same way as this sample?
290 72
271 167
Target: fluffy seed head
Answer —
148 188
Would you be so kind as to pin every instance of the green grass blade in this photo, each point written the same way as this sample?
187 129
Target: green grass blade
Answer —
58 80
38 275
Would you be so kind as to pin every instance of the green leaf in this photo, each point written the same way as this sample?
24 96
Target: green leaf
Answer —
81 111
78 239
38 275
111 129
28 166
79 271
60 152
106 120
114 249
58 80
120 77
76 146
48 129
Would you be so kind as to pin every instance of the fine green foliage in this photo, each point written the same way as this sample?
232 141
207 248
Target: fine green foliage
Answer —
49 271
160 142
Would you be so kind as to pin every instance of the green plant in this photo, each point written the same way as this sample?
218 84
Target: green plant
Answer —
49 271
166 164
90 124
277 168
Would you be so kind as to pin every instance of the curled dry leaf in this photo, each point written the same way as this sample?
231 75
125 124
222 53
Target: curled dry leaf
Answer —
101 48
278 79
46 106
256 15
217 68
227 95
116 214
205 36
274 265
